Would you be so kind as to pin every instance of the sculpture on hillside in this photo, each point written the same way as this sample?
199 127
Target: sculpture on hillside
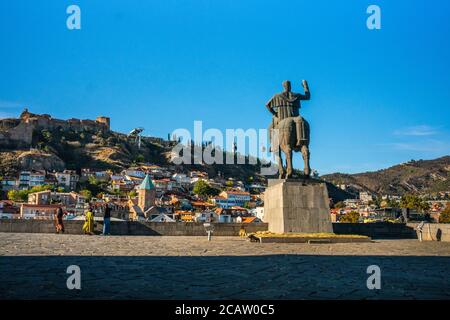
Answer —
288 131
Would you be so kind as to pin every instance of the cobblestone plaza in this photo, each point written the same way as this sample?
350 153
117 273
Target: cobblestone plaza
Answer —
33 266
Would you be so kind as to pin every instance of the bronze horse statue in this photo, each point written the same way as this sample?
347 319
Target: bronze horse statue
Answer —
289 132
285 140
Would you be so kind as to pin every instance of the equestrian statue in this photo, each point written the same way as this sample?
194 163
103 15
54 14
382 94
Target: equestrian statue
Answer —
289 131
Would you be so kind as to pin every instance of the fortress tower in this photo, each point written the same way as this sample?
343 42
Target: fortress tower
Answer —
105 120
146 194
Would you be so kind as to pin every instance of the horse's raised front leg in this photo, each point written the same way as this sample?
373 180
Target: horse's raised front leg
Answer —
305 155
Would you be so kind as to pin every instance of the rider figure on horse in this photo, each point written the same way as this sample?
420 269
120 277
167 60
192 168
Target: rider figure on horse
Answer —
287 104
289 132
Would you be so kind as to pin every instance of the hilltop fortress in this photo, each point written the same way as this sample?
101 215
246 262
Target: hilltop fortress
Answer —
19 132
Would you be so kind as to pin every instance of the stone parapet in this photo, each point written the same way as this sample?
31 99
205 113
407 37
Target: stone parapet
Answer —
131 227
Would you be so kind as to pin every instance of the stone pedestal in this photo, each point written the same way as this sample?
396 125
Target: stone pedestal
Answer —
297 206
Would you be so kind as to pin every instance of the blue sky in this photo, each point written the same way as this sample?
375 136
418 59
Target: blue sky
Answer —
379 97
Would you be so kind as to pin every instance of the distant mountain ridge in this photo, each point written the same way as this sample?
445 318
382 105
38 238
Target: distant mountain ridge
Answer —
411 177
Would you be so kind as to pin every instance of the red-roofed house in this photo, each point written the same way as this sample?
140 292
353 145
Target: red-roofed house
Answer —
202 205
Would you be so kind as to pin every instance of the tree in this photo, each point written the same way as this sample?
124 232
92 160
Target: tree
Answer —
22 195
248 205
93 180
339 205
140 158
87 194
376 202
132 194
41 188
444 217
46 135
202 188
351 217
94 185
14 195
392 203
411 201
424 206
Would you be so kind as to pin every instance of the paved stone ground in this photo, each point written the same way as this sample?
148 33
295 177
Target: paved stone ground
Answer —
33 266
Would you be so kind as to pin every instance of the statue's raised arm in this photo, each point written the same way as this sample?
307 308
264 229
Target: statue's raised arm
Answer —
307 94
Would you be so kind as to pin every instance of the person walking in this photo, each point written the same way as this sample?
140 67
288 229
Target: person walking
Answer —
106 220
88 226
59 224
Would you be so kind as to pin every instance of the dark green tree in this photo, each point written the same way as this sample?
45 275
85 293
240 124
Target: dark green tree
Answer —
202 188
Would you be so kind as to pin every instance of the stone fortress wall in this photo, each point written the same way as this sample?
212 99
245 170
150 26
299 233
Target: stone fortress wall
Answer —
19 132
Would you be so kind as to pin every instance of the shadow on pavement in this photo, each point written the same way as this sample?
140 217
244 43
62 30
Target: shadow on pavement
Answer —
224 277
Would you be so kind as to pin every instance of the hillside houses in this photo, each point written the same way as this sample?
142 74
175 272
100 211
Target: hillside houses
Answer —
145 193
161 194
67 179
231 198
